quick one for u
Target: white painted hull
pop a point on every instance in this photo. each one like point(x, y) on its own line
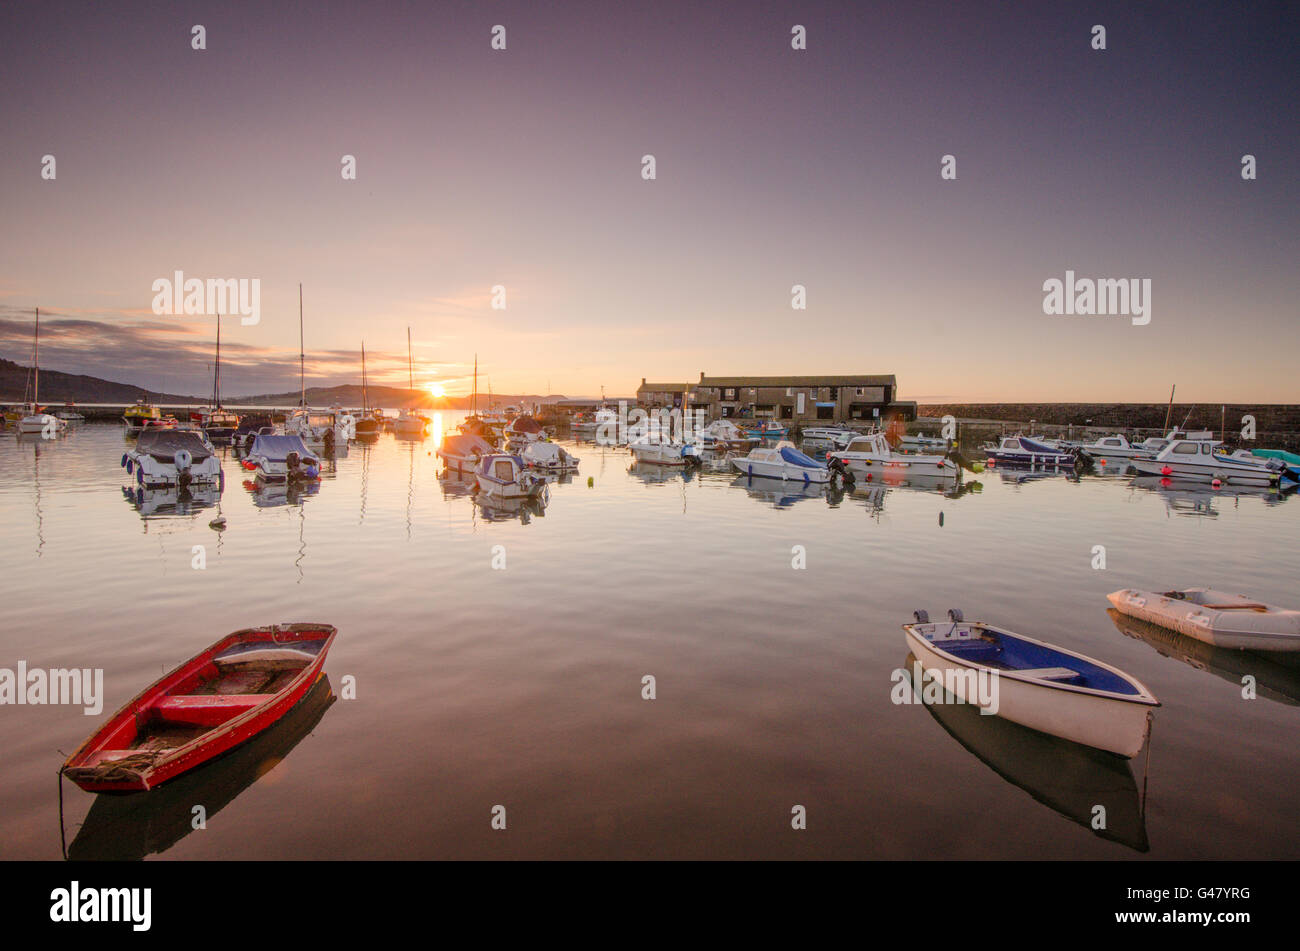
point(1117, 726)
point(41, 424)
point(1272, 629)
point(658, 454)
point(1224, 471)
point(783, 471)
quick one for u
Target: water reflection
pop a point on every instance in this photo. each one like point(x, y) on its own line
point(497, 509)
point(1068, 778)
point(779, 494)
point(1199, 499)
point(1277, 676)
point(130, 827)
point(171, 501)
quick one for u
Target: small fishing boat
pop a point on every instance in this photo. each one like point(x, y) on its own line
point(1023, 451)
point(548, 457)
point(769, 429)
point(1035, 684)
point(179, 457)
point(724, 435)
point(1215, 617)
point(1150, 447)
point(502, 476)
point(327, 430)
point(69, 413)
point(919, 443)
point(870, 455)
point(653, 450)
point(1203, 461)
point(252, 425)
point(823, 434)
point(34, 421)
point(782, 461)
point(137, 416)
point(209, 705)
point(1111, 447)
point(464, 452)
point(523, 430)
point(282, 459)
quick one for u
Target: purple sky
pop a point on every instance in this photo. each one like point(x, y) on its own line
point(775, 167)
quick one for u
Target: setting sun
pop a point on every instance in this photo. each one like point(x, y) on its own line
point(435, 389)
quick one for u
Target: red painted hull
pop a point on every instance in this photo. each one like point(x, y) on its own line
point(114, 760)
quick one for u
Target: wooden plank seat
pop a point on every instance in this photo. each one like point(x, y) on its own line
point(206, 710)
point(1049, 673)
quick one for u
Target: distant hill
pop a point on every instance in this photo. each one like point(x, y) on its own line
point(57, 387)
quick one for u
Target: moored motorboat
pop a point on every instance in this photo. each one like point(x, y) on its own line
point(1111, 447)
point(209, 705)
point(135, 417)
point(723, 434)
point(1290, 460)
point(1203, 461)
point(179, 457)
point(767, 429)
point(870, 455)
point(1035, 684)
point(915, 442)
point(1023, 451)
point(782, 461)
point(1216, 617)
point(504, 476)
point(252, 425)
point(464, 452)
point(663, 451)
point(282, 459)
point(548, 457)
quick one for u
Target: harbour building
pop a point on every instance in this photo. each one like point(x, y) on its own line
point(806, 400)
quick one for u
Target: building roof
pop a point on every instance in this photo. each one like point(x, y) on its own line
point(839, 379)
point(664, 387)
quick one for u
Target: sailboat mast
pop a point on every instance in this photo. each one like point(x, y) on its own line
point(365, 404)
point(410, 367)
point(475, 407)
point(36, 363)
point(302, 356)
point(1170, 411)
point(216, 376)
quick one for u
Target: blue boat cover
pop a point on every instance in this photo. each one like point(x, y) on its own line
point(277, 448)
point(797, 458)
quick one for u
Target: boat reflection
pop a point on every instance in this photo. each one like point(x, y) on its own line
point(651, 473)
point(172, 501)
point(1197, 499)
point(130, 827)
point(456, 483)
point(1277, 677)
point(777, 493)
point(1068, 778)
point(269, 495)
point(497, 509)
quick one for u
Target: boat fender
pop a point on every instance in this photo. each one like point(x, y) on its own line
point(130, 466)
point(922, 617)
point(139, 475)
point(123, 463)
point(955, 615)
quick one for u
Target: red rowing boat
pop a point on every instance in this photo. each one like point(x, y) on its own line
point(206, 707)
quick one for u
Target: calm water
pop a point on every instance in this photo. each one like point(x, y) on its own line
point(522, 687)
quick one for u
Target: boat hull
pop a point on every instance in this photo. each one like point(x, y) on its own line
point(1237, 625)
point(1113, 724)
point(86, 767)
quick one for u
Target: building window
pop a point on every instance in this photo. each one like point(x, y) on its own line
point(825, 412)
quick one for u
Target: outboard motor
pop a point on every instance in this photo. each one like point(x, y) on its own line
point(183, 460)
point(291, 463)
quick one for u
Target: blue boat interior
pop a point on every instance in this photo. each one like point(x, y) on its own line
point(1002, 652)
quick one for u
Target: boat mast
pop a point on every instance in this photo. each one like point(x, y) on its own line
point(365, 399)
point(410, 367)
point(216, 376)
point(302, 358)
point(474, 409)
point(36, 364)
point(1170, 411)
